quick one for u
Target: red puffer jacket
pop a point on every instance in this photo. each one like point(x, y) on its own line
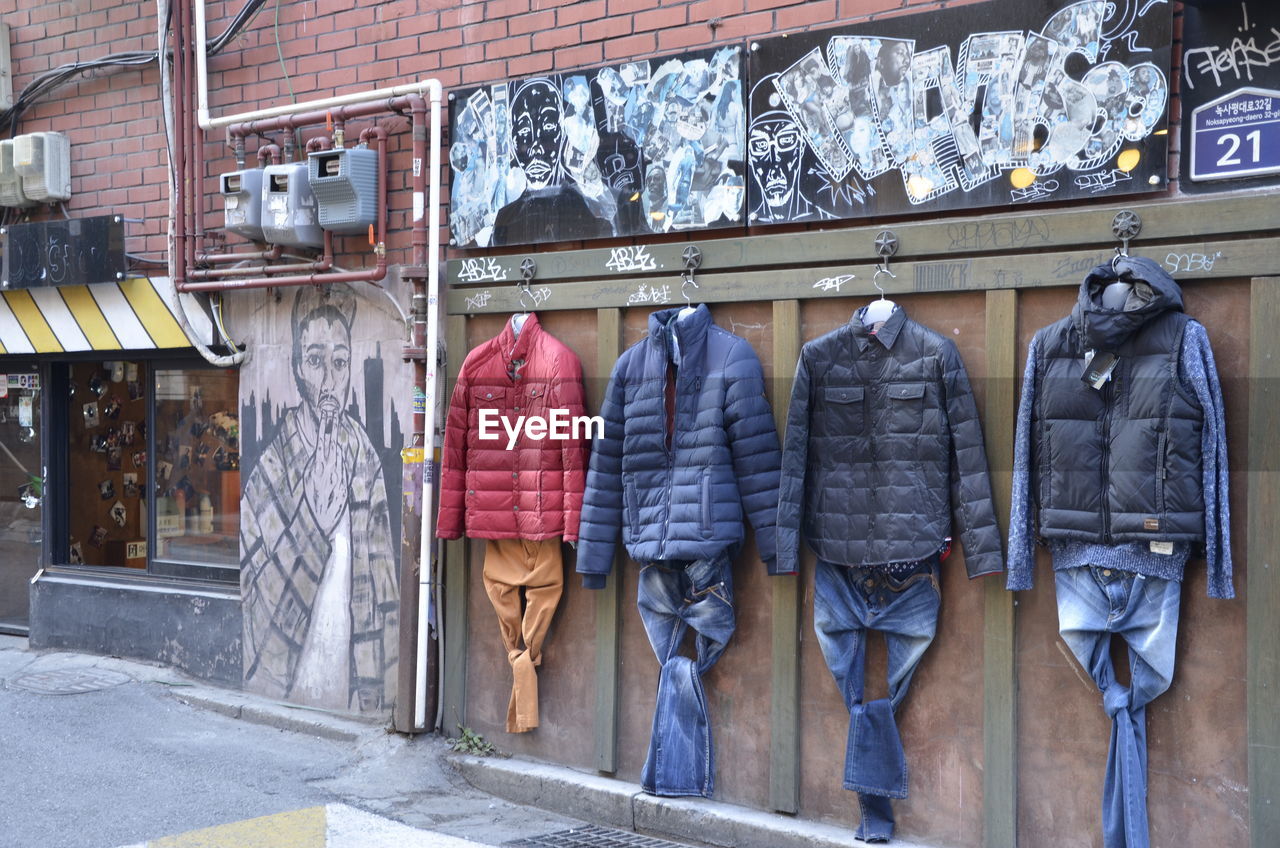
point(534, 490)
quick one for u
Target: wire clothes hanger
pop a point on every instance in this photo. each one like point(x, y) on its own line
point(880, 310)
point(692, 257)
point(528, 268)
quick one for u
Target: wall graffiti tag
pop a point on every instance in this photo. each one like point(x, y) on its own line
point(827, 284)
point(625, 259)
point(482, 270)
point(1029, 101)
point(649, 294)
point(643, 147)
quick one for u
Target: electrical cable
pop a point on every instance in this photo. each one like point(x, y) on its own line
point(222, 328)
point(53, 79)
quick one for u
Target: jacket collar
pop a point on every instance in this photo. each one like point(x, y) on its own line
point(888, 333)
point(514, 346)
point(1154, 293)
point(691, 330)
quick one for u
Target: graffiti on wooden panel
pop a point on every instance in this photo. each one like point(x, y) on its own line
point(1047, 101)
point(644, 147)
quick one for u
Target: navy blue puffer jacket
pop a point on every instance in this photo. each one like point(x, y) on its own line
point(685, 501)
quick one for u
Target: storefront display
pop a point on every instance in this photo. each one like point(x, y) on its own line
point(523, 495)
point(192, 481)
point(689, 450)
point(22, 490)
point(1121, 450)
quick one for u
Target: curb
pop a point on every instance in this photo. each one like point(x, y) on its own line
point(624, 805)
point(236, 705)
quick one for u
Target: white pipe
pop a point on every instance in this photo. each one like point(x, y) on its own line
point(435, 92)
point(426, 566)
point(430, 87)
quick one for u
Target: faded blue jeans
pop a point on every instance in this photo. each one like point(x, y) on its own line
point(675, 596)
point(903, 604)
point(1094, 603)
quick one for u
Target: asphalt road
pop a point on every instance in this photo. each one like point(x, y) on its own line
point(134, 762)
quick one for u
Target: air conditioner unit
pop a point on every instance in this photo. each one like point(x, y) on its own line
point(43, 160)
point(10, 183)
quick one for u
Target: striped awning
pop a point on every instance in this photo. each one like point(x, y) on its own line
point(133, 314)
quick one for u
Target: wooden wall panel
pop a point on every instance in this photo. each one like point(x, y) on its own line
point(1197, 729)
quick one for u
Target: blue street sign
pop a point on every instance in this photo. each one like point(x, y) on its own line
point(1237, 135)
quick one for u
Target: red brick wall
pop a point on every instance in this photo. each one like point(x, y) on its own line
point(331, 47)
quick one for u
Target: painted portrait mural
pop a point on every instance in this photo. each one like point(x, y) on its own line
point(320, 517)
point(644, 147)
point(999, 103)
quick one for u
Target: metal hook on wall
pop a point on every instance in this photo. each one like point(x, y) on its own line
point(692, 258)
point(528, 270)
point(886, 247)
point(1125, 226)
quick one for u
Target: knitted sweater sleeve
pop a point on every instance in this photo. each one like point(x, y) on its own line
point(1022, 533)
point(1199, 374)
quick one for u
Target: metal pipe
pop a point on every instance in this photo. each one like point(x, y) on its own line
point(376, 273)
point(317, 143)
point(271, 151)
point(427, 581)
point(180, 147)
point(324, 263)
point(208, 258)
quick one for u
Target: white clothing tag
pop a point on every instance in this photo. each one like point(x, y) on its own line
point(1165, 548)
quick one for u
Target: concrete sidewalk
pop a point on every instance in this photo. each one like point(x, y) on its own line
point(620, 804)
point(200, 760)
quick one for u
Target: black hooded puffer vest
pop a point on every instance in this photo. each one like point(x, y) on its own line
point(1123, 463)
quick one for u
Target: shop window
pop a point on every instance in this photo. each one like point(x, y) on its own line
point(153, 469)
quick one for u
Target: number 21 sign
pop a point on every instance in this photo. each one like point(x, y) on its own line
point(1236, 135)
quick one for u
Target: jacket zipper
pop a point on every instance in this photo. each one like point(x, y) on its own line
point(669, 436)
point(1106, 462)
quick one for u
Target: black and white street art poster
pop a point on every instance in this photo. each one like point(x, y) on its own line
point(999, 103)
point(652, 146)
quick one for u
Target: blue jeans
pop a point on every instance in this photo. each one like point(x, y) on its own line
point(673, 597)
point(847, 603)
point(1094, 603)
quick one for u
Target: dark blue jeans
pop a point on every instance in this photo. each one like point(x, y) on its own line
point(675, 596)
point(1094, 603)
point(847, 603)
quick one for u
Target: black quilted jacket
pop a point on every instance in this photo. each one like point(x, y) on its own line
point(882, 441)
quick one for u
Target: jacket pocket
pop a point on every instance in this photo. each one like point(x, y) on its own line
point(488, 407)
point(1162, 447)
point(629, 501)
point(705, 492)
point(905, 403)
point(845, 406)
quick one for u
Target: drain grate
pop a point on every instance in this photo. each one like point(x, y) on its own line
point(69, 681)
point(592, 837)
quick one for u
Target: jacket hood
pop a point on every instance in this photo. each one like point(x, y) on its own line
point(1153, 294)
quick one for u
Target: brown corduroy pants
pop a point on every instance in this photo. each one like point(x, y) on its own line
point(510, 564)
